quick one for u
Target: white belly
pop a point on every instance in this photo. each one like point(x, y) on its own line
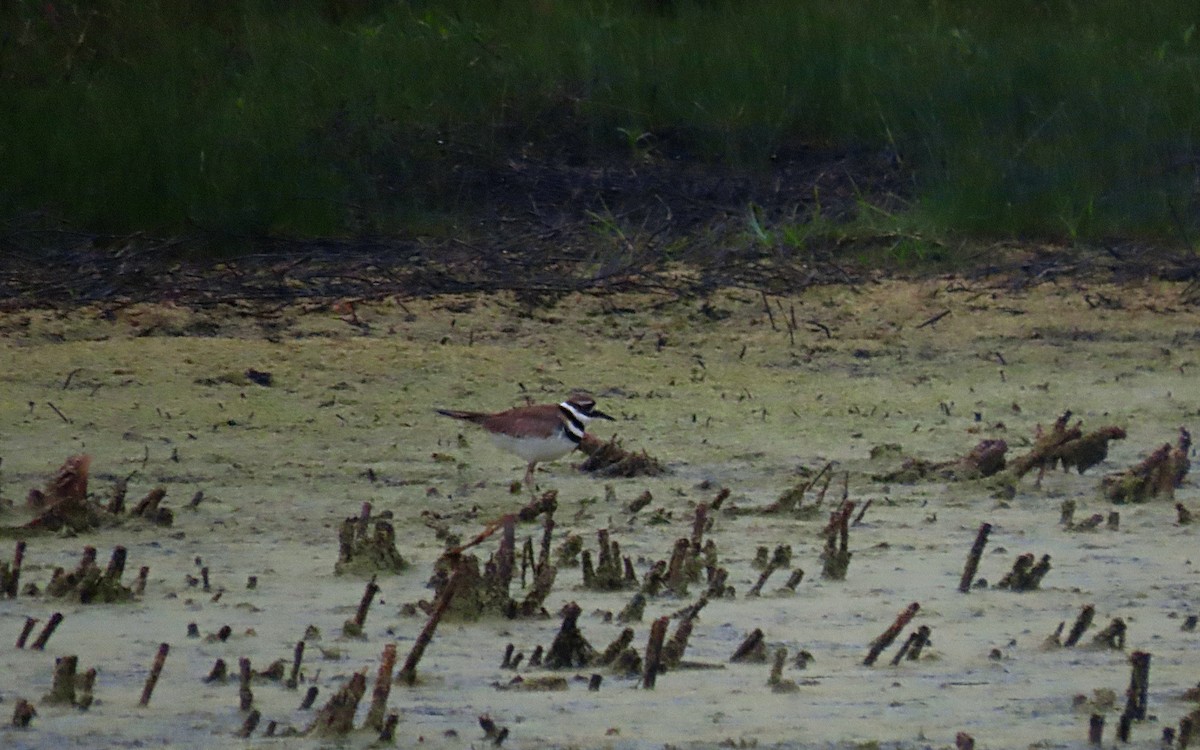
point(535, 449)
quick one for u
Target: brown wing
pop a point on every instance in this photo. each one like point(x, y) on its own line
point(525, 421)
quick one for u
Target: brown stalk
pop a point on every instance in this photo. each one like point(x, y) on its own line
point(408, 673)
point(383, 685)
point(968, 576)
point(885, 639)
point(654, 649)
point(152, 679)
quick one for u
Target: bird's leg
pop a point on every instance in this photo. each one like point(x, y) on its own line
point(529, 477)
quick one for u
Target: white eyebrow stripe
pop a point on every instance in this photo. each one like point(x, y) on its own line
point(573, 422)
point(574, 413)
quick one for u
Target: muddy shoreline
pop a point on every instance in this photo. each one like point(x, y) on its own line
point(724, 393)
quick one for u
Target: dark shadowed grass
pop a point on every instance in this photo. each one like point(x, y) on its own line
point(1061, 119)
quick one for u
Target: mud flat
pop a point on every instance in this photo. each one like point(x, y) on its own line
point(288, 420)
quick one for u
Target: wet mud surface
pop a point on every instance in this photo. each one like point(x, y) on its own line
point(725, 393)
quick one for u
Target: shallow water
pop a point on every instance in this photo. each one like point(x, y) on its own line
point(732, 398)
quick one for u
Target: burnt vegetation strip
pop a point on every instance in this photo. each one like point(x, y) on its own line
point(606, 228)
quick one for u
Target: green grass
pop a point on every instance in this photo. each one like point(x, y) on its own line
point(1052, 118)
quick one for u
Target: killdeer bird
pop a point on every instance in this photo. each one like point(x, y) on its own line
point(540, 432)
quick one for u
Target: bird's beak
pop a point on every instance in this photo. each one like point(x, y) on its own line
point(597, 414)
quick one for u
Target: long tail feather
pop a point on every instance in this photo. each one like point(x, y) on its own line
point(469, 416)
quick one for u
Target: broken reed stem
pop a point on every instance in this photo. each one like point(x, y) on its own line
point(383, 686)
point(912, 647)
point(547, 536)
point(116, 502)
point(716, 583)
point(1187, 727)
point(1025, 575)
point(825, 476)
point(794, 579)
point(630, 575)
point(862, 512)
point(336, 718)
point(23, 713)
point(249, 725)
point(1066, 514)
point(51, 625)
point(654, 649)
point(152, 679)
point(218, 672)
point(1124, 723)
point(603, 548)
point(1183, 516)
point(921, 641)
point(62, 691)
point(547, 504)
point(479, 538)
point(698, 525)
point(569, 648)
point(505, 559)
point(835, 558)
point(360, 617)
point(364, 521)
point(611, 652)
point(885, 639)
point(756, 589)
point(691, 611)
point(310, 698)
point(293, 680)
point(750, 648)
point(543, 582)
point(527, 561)
point(912, 637)
point(147, 506)
point(245, 694)
point(1082, 623)
point(1112, 636)
point(116, 564)
point(677, 567)
point(26, 630)
point(84, 686)
point(388, 733)
point(767, 309)
point(354, 628)
point(844, 525)
point(408, 673)
point(777, 662)
point(968, 576)
point(673, 650)
point(14, 578)
point(1139, 683)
